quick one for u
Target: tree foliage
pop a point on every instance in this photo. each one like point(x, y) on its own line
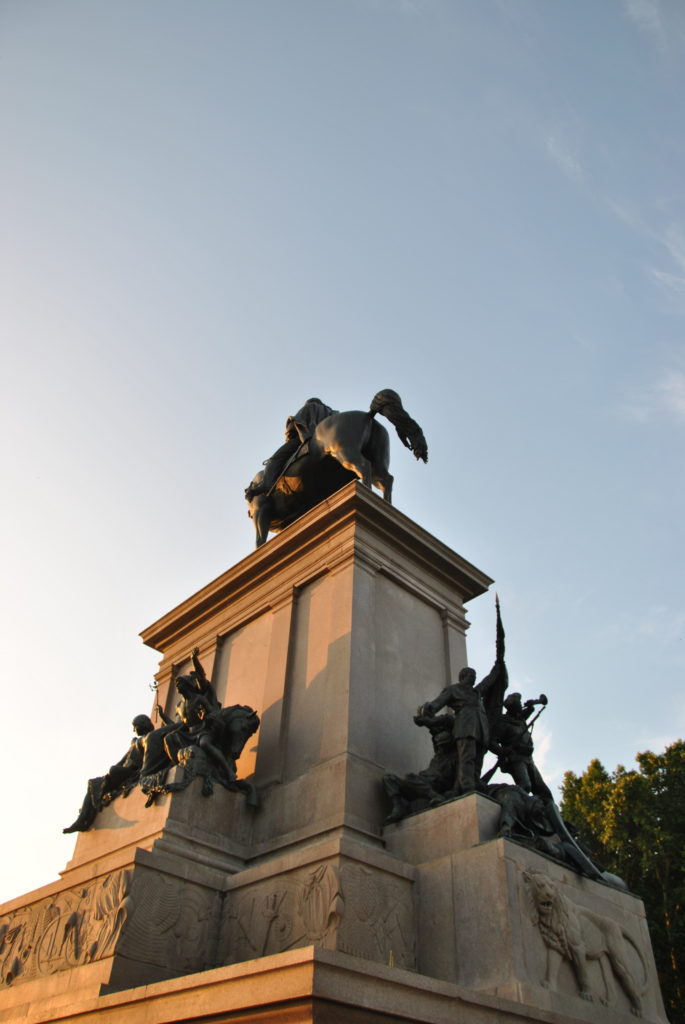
point(634, 824)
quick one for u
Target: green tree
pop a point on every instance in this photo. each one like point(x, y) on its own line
point(634, 824)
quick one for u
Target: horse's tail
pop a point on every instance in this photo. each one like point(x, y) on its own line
point(389, 404)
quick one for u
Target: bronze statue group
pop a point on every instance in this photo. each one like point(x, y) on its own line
point(468, 719)
point(204, 739)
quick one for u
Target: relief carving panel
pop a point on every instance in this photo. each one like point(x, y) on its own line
point(380, 921)
point(298, 909)
point(176, 923)
point(71, 928)
point(606, 961)
point(145, 915)
point(355, 909)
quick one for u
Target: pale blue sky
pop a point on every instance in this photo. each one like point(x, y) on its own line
point(212, 209)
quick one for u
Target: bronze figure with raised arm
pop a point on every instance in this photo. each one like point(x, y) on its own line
point(476, 706)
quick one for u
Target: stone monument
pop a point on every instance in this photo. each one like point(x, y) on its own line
point(236, 864)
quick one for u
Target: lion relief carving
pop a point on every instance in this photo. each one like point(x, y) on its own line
point(574, 933)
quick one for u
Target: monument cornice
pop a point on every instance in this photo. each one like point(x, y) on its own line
point(324, 537)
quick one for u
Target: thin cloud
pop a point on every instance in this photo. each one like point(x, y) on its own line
point(635, 407)
point(409, 8)
point(665, 397)
point(547, 763)
point(624, 213)
point(663, 24)
point(417, 7)
point(564, 151)
point(663, 623)
point(565, 155)
point(543, 751)
point(673, 239)
point(646, 14)
point(672, 288)
point(670, 238)
point(670, 282)
point(660, 626)
point(671, 390)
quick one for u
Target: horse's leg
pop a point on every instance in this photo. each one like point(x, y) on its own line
point(356, 463)
point(262, 520)
point(378, 451)
point(384, 483)
point(343, 435)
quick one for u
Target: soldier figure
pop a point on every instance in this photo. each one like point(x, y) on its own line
point(471, 731)
point(513, 743)
point(122, 776)
point(435, 780)
point(298, 429)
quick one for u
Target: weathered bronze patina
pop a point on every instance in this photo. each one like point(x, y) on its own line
point(120, 779)
point(323, 451)
point(205, 740)
point(512, 742)
point(476, 707)
point(480, 718)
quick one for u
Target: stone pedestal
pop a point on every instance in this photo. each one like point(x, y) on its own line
point(496, 917)
point(335, 631)
point(305, 909)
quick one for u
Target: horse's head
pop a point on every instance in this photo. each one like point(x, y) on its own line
point(235, 725)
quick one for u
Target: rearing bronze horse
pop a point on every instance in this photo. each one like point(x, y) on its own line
point(343, 446)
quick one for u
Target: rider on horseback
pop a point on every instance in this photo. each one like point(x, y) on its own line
point(325, 450)
point(298, 429)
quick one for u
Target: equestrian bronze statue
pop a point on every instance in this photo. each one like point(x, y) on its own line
point(323, 451)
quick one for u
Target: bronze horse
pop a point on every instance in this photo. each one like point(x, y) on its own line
point(343, 446)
